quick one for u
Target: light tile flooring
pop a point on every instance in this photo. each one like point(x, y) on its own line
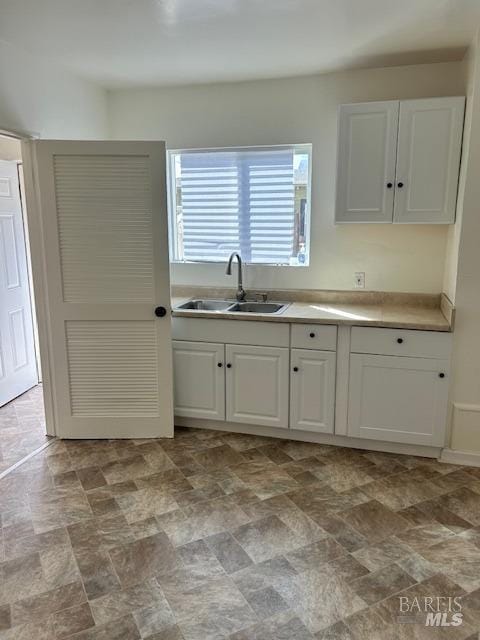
point(214, 535)
point(22, 427)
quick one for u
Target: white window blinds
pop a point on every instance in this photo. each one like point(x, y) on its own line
point(241, 200)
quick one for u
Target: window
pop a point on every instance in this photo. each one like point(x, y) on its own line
point(254, 200)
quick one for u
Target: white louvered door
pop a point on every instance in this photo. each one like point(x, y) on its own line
point(103, 211)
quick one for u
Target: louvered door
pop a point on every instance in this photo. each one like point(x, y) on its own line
point(103, 211)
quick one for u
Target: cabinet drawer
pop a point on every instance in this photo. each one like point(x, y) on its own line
point(400, 342)
point(314, 336)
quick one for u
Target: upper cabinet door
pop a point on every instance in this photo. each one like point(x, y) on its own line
point(367, 139)
point(428, 159)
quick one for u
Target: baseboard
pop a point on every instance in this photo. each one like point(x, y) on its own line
point(465, 458)
point(306, 436)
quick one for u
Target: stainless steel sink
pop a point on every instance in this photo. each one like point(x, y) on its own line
point(230, 306)
point(257, 307)
point(206, 305)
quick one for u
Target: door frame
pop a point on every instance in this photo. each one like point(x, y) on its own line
point(39, 274)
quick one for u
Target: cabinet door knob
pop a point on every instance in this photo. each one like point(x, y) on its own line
point(400, 185)
point(219, 364)
point(389, 185)
point(229, 366)
point(441, 375)
point(312, 335)
point(400, 340)
point(295, 369)
point(160, 312)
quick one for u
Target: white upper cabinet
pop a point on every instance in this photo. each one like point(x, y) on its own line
point(367, 142)
point(399, 161)
point(428, 160)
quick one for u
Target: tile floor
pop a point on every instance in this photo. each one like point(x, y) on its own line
point(214, 535)
point(22, 427)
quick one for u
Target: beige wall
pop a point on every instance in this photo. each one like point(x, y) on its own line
point(394, 258)
point(39, 97)
point(10, 149)
point(453, 236)
point(465, 389)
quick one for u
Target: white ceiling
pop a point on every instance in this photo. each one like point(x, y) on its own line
point(121, 43)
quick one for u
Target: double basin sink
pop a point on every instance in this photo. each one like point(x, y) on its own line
point(230, 306)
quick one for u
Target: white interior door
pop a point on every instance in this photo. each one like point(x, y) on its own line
point(367, 141)
point(104, 219)
point(18, 369)
point(428, 160)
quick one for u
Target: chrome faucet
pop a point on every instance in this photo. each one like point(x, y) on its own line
point(241, 295)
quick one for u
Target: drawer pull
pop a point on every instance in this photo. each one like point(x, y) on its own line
point(441, 375)
point(312, 335)
point(400, 340)
point(295, 369)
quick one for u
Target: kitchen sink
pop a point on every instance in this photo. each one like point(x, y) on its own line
point(230, 306)
point(206, 305)
point(257, 307)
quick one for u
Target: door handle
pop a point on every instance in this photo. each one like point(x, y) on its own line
point(160, 312)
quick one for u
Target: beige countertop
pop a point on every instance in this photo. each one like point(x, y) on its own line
point(383, 310)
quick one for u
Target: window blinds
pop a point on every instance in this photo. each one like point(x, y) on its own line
point(239, 200)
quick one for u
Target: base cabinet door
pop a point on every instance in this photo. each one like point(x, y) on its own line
point(398, 399)
point(257, 385)
point(199, 379)
point(312, 390)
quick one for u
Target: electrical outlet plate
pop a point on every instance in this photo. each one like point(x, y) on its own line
point(359, 279)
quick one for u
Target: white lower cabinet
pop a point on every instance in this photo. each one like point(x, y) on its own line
point(257, 385)
point(398, 399)
point(199, 380)
point(312, 390)
point(388, 385)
